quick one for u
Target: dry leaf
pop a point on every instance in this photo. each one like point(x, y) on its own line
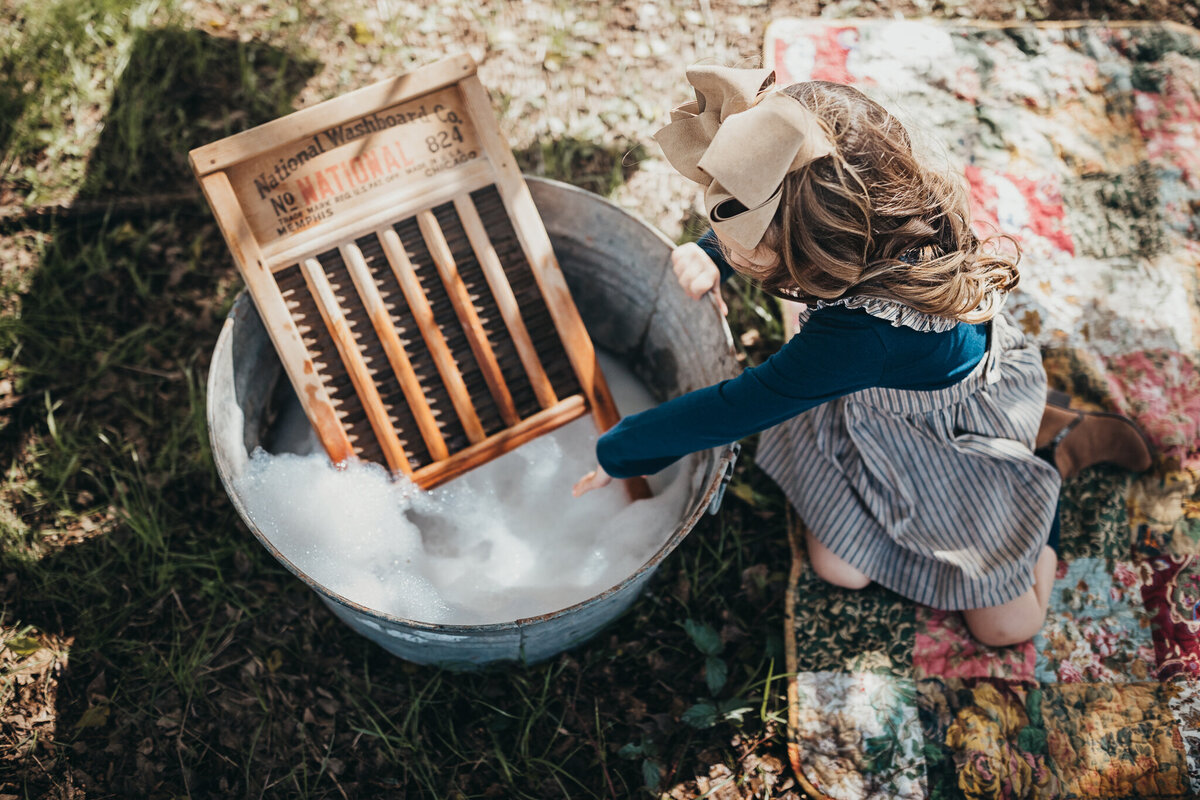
point(94, 717)
point(361, 34)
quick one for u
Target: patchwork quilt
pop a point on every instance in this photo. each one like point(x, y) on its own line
point(1083, 142)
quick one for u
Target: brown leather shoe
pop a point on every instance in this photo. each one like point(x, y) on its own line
point(1084, 438)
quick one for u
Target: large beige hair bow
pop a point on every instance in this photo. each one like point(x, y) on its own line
point(740, 141)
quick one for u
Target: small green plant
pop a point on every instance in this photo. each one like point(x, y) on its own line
point(707, 713)
point(647, 750)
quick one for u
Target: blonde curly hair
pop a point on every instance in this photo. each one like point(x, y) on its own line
point(871, 220)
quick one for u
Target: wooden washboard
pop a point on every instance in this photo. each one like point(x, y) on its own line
point(405, 277)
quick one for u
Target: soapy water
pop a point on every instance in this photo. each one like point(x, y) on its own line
point(505, 541)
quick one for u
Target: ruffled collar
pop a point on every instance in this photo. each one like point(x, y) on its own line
point(894, 312)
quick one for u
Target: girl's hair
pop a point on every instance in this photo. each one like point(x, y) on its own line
point(871, 220)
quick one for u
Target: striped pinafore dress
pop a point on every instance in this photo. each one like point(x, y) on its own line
point(936, 495)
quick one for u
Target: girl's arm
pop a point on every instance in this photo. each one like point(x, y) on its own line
point(838, 351)
point(700, 267)
point(833, 356)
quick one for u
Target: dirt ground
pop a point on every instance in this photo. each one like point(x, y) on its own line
point(100, 704)
point(607, 73)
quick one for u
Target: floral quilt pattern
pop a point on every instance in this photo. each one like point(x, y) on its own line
point(1082, 141)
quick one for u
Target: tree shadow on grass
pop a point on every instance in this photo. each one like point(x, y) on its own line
point(183, 89)
point(118, 543)
point(191, 662)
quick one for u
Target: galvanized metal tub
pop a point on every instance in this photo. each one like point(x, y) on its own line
point(618, 269)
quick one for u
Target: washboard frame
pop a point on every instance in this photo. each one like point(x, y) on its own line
point(400, 169)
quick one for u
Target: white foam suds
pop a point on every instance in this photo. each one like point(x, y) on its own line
point(504, 541)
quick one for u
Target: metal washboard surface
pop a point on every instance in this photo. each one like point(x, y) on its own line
point(405, 277)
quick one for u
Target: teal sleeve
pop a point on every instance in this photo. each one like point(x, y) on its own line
point(833, 355)
point(838, 351)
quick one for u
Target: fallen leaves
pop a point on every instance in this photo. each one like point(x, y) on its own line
point(31, 664)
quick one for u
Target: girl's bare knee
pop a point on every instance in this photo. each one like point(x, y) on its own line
point(998, 636)
point(1003, 626)
point(833, 568)
point(843, 576)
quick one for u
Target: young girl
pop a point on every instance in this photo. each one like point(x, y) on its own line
point(902, 419)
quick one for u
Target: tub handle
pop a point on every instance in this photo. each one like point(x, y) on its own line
point(735, 450)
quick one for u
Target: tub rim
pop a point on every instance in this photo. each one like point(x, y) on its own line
point(724, 457)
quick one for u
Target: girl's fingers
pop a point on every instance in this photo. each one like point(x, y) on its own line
point(689, 257)
point(699, 285)
point(584, 485)
point(593, 480)
point(696, 273)
point(678, 263)
point(685, 253)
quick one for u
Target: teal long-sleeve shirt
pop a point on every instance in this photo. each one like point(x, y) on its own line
point(838, 351)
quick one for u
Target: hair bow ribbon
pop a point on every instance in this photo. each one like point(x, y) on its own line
point(740, 141)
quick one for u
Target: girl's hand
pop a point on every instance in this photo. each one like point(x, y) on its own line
point(697, 273)
point(593, 480)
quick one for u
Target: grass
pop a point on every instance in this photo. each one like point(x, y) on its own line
point(149, 647)
point(192, 664)
point(48, 87)
point(597, 167)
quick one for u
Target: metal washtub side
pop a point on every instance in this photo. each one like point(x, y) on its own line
point(618, 269)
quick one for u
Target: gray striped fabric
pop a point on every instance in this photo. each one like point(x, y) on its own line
point(936, 495)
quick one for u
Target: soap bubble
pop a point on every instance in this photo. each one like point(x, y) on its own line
point(504, 541)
